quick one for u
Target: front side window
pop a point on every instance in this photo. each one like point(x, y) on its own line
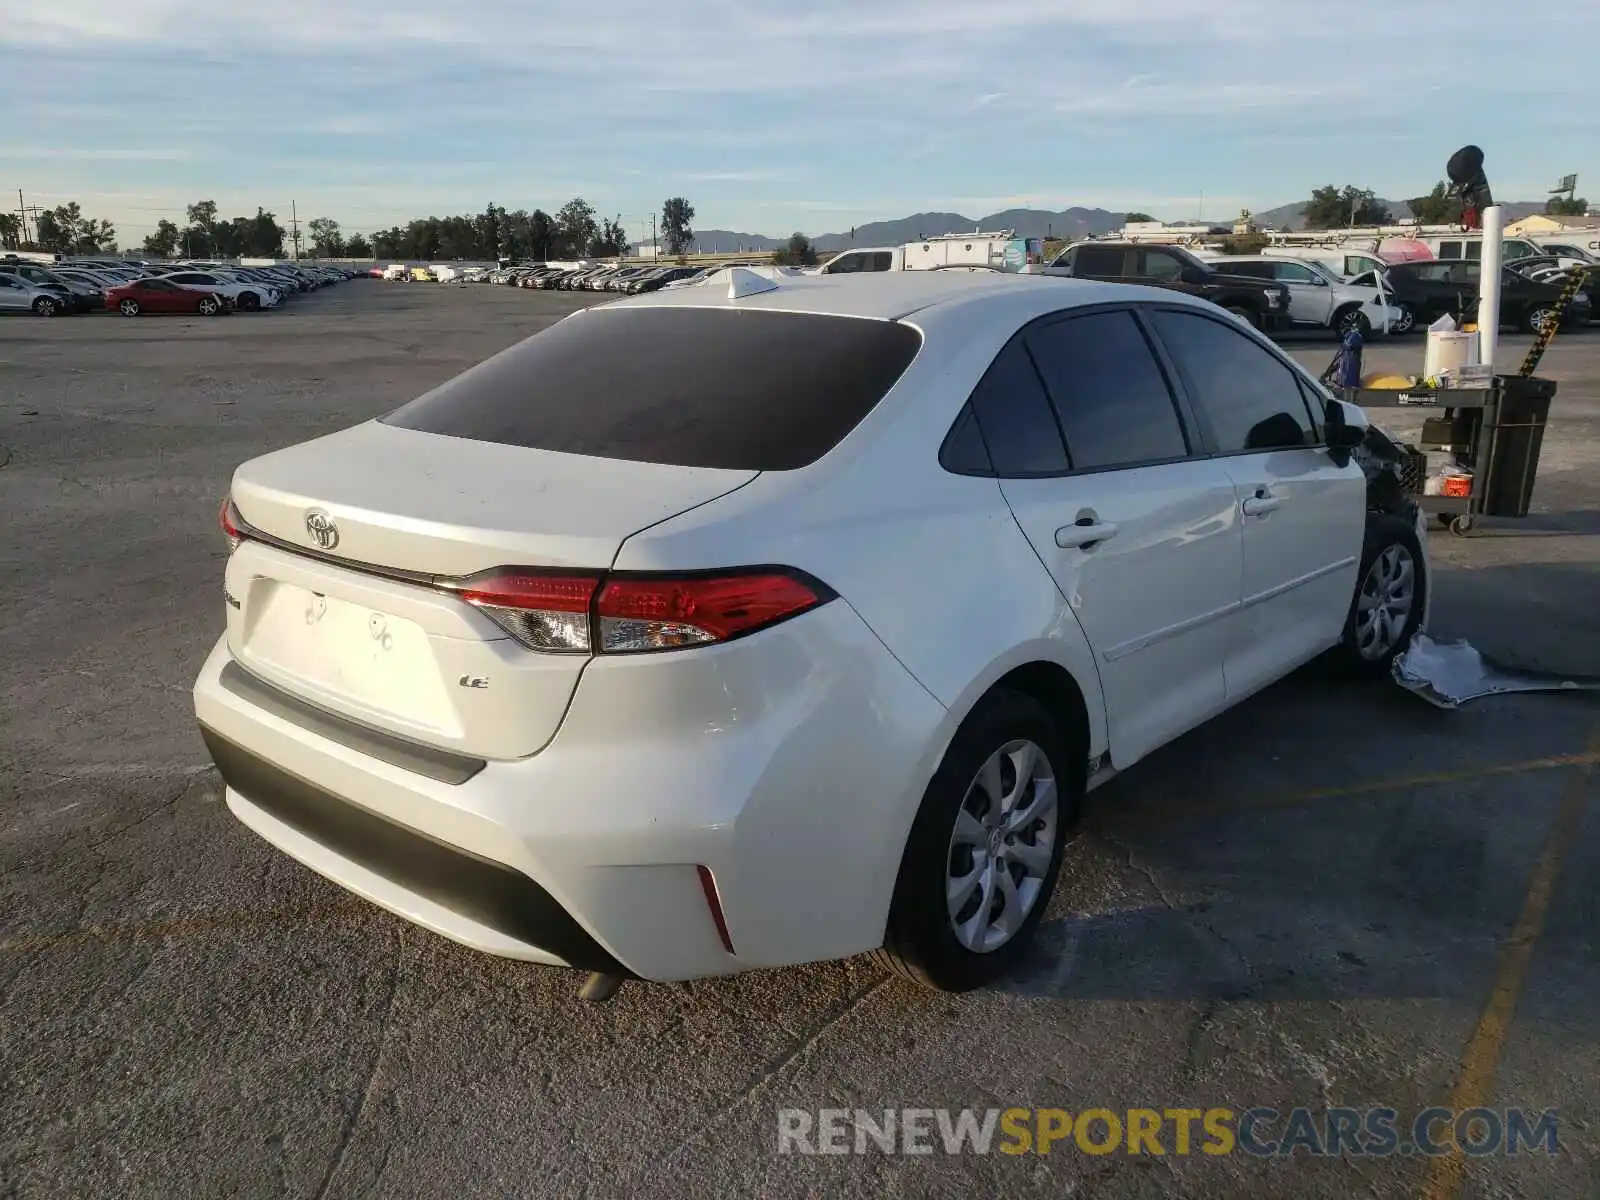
point(1109, 392)
point(1253, 400)
point(1098, 260)
point(1161, 266)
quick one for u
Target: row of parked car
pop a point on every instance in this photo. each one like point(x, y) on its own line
point(1311, 292)
point(609, 277)
point(51, 289)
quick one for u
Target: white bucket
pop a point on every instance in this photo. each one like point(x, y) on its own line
point(1449, 351)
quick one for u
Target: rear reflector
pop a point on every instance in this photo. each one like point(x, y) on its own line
point(708, 885)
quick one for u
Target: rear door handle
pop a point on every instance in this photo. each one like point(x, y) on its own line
point(1260, 505)
point(1081, 537)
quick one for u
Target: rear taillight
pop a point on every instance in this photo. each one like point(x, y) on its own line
point(231, 523)
point(542, 611)
point(655, 613)
point(562, 613)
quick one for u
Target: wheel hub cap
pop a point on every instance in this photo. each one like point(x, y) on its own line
point(1003, 846)
point(1387, 597)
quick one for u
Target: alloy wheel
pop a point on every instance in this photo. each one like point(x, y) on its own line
point(1383, 609)
point(1002, 847)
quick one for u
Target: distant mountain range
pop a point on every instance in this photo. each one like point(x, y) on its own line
point(1028, 222)
point(1068, 224)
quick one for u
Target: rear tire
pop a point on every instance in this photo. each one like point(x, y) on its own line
point(1391, 593)
point(995, 816)
point(128, 308)
point(1538, 316)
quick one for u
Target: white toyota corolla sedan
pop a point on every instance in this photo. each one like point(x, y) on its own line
point(770, 621)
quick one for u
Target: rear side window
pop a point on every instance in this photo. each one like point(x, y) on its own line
point(1109, 392)
point(688, 387)
point(1253, 400)
point(1013, 413)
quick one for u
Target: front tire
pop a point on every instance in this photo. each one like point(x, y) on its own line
point(1245, 315)
point(208, 306)
point(1405, 319)
point(128, 308)
point(1391, 593)
point(1353, 320)
point(984, 851)
point(249, 302)
point(46, 307)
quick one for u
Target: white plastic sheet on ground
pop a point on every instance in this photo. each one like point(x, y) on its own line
point(1449, 674)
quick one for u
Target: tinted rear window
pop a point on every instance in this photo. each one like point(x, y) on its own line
point(689, 387)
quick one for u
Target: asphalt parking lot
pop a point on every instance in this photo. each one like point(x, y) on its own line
point(1336, 895)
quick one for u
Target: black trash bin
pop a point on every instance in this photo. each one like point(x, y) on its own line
point(1518, 438)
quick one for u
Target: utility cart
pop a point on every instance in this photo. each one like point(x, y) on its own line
point(1494, 432)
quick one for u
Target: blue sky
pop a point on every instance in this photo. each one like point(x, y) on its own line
point(812, 114)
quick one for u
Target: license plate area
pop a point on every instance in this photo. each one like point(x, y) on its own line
point(354, 656)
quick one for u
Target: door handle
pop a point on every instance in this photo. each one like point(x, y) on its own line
point(1261, 504)
point(1081, 537)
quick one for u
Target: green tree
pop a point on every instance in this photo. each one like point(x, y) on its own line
point(49, 235)
point(677, 225)
point(358, 247)
point(163, 243)
point(200, 237)
point(612, 240)
point(1130, 218)
point(263, 236)
point(1331, 207)
point(1560, 206)
point(576, 228)
point(10, 232)
point(798, 253)
point(1245, 243)
point(1438, 207)
point(326, 239)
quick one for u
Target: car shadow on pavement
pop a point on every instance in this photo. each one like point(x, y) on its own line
point(1337, 838)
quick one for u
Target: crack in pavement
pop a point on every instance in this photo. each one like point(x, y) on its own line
point(353, 1121)
point(801, 1049)
point(1144, 869)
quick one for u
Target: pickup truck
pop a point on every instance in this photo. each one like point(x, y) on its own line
point(1264, 304)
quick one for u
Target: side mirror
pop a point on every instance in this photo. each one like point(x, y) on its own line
point(1344, 427)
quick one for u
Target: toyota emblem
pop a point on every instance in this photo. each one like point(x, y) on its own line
point(322, 529)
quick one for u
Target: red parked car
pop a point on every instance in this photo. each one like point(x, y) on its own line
point(159, 296)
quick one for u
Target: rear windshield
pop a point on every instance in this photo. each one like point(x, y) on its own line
point(689, 387)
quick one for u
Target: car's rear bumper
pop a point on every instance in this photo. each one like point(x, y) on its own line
point(789, 764)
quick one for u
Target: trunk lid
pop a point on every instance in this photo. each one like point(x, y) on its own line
point(350, 620)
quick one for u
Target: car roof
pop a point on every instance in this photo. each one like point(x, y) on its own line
point(891, 295)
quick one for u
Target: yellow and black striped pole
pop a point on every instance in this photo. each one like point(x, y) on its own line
point(1541, 343)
